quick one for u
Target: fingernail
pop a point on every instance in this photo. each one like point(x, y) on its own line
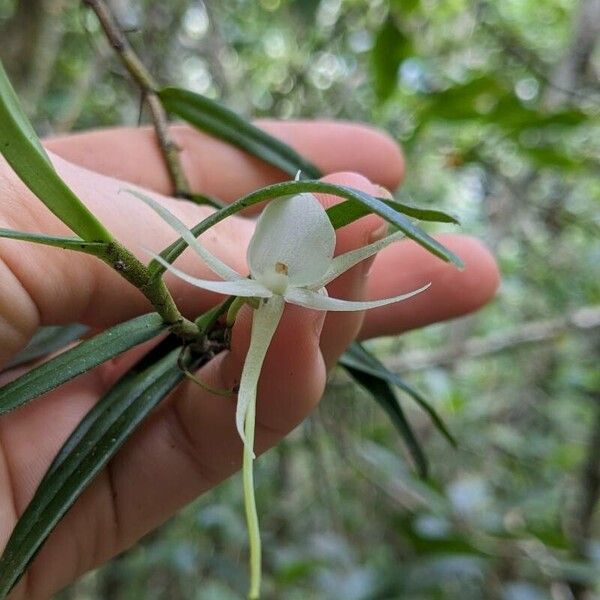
point(378, 233)
point(366, 266)
point(382, 192)
point(318, 323)
point(382, 230)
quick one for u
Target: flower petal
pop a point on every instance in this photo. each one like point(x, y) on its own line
point(240, 287)
point(343, 262)
point(215, 264)
point(293, 236)
point(264, 323)
point(317, 301)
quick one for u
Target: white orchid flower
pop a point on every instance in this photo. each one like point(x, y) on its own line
point(290, 257)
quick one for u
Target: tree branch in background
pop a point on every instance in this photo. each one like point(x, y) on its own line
point(512, 46)
point(18, 50)
point(574, 65)
point(583, 319)
point(74, 103)
point(48, 40)
point(581, 519)
point(148, 86)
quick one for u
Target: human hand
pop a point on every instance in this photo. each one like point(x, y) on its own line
point(190, 443)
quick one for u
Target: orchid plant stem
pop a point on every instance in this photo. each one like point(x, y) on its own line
point(154, 289)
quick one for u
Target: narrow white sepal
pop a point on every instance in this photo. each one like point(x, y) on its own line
point(264, 323)
point(215, 264)
point(340, 264)
point(317, 301)
point(240, 287)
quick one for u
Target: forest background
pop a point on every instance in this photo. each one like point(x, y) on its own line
point(496, 106)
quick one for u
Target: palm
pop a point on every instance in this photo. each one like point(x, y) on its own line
point(190, 443)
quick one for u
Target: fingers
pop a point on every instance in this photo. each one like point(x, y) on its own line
point(406, 266)
point(190, 443)
point(54, 286)
point(133, 155)
point(402, 267)
point(187, 446)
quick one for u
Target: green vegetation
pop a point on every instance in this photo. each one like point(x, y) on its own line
point(497, 108)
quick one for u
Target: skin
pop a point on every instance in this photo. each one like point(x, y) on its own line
point(189, 444)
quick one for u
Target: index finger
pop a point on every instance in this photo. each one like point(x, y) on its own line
point(216, 168)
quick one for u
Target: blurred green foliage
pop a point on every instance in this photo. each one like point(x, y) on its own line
point(497, 107)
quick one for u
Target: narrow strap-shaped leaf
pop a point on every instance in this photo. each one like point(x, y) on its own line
point(210, 116)
point(68, 243)
point(411, 231)
point(78, 360)
point(359, 358)
point(384, 395)
point(85, 454)
point(22, 149)
point(106, 404)
point(46, 340)
point(287, 188)
point(11, 105)
point(346, 212)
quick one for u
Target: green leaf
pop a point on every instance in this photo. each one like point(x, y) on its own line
point(490, 100)
point(46, 340)
point(68, 243)
point(210, 116)
point(549, 156)
point(78, 360)
point(382, 392)
point(359, 358)
point(350, 210)
point(405, 7)
point(460, 102)
point(10, 105)
point(287, 188)
point(102, 415)
point(403, 224)
point(391, 47)
point(87, 451)
point(510, 113)
point(206, 321)
point(22, 149)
